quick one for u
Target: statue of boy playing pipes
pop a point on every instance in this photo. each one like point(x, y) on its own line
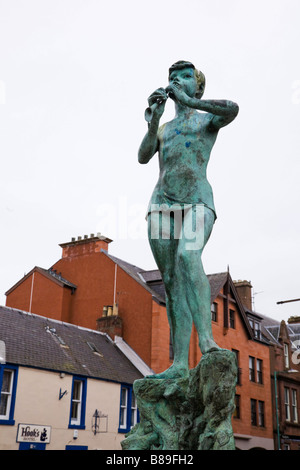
point(182, 204)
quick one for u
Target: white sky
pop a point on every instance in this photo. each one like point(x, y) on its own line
point(74, 80)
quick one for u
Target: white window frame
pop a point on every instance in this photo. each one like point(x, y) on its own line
point(134, 410)
point(252, 372)
point(287, 404)
point(261, 413)
point(259, 371)
point(124, 408)
point(214, 311)
point(294, 406)
point(76, 421)
point(256, 330)
point(8, 393)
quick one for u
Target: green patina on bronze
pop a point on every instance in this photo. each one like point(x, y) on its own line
point(184, 146)
point(192, 413)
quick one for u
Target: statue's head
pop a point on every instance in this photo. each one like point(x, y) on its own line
point(200, 78)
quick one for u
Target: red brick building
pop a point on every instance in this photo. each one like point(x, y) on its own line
point(91, 288)
point(285, 375)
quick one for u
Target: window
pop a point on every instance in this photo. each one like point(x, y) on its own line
point(123, 408)
point(294, 406)
point(253, 412)
point(251, 369)
point(237, 410)
point(257, 412)
point(255, 328)
point(214, 311)
point(232, 318)
point(261, 414)
point(8, 387)
point(287, 403)
point(255, 370)
point(259, 371)
point(134, 411)
point(129, 414)
point(286, 356)
point(78, 403)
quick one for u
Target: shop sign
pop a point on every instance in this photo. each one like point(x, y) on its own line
point(33, 433)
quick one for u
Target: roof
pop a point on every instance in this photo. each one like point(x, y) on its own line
point(272, 330)
point(152, 279)
point(137, 273)
point(35, 341)
point(50, 274)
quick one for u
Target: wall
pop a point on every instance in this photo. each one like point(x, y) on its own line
point(38, 294)
point(37, 402)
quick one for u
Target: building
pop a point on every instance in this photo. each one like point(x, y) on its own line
point(85, 285)
point(90, 287)
point(285, 372)
point(63, 387)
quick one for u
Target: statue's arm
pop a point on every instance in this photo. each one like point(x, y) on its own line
point(150, 143)
point(223, 111)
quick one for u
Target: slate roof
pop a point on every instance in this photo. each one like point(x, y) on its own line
point(152, 279)
point(271, 330)
point(137, 274)
point(36, 341)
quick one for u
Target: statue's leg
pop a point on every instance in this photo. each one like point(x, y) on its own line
point(196, 284)
point(164, 248)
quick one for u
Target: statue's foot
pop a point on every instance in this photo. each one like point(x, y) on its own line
point(174, 372)
point(209, 346)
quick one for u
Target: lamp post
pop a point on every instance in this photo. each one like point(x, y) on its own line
point(276, 402)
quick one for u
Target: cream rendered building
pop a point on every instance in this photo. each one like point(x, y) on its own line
point(63, 387)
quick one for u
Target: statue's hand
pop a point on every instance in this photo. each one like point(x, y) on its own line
point(158, 95)
point(176, 93)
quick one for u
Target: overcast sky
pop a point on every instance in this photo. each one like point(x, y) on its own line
point(74, 80)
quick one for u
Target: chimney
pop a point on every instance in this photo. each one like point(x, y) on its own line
point(111, 324)
point(85, 245)
point(244, 291)
point(293, 319)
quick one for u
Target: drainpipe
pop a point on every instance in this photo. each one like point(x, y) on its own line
point(276, 409)
point(31, 292)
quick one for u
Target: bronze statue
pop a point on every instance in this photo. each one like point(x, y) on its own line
point(182, 205)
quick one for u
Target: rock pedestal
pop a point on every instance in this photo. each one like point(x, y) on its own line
point(193, 413)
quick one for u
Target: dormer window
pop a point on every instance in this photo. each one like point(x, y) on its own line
point(255, 325)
